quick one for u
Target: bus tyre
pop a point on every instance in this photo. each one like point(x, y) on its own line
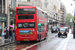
point(45, 36)
point(40, 38)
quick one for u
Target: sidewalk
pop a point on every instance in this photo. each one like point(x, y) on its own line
point(4, 42)
point(71, 43)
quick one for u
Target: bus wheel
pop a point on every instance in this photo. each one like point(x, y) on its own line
point(45, 36)
point(40, 38)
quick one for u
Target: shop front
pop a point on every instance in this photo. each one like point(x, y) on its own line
point(2, 22)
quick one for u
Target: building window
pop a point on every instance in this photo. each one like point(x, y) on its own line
point(40, 28)
point(28, 0)
point(13, 4)
point(3, 6)
point(0, 6)
point(19, 0)
point(58, 17)
point(45, 0)
point(54, 15)
point(46, 5)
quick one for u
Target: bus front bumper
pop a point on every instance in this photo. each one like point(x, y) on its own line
point(31, 38)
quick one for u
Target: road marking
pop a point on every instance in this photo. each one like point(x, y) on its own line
point(32, 45)
point(65, 45)
point(37, 43)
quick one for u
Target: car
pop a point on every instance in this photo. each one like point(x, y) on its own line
point(67, 29)
point(54, 29)
point(62, 32)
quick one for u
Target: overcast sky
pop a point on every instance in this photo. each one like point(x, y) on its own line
point(69, 8)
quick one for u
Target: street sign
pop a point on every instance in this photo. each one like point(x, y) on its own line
point(70, 19)
point(2, 19)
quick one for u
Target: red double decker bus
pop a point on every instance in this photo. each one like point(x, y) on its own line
point(31, 23)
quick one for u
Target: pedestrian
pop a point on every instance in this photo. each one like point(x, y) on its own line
point(51, 27)
point(10, 33)
point(7, 28)
point(6, 34)
point(14, 34)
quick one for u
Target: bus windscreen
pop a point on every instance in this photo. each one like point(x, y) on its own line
point(26, 11)
point(26, 17)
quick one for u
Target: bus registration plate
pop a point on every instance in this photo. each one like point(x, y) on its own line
point(26, 40)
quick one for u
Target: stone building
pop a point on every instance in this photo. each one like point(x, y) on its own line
point(63, 15)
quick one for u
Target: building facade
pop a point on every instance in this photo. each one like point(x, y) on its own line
point(63, 15)
point(10, 11)
point(53, 9)
point(51, 6)
point(3, 15)
point(37, 3)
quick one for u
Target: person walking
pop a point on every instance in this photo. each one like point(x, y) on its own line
point(7, 28)
point(15, 33)
point(6, 34)
point(10, 33)
point(51, 27)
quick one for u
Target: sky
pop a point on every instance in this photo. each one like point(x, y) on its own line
point(69, 8)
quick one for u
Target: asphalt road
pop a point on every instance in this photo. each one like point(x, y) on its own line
point(51, 43)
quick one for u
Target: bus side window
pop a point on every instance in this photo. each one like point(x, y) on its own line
point(40, 28)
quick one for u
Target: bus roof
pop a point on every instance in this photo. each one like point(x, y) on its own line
point(31, 7)
point(41, 9)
